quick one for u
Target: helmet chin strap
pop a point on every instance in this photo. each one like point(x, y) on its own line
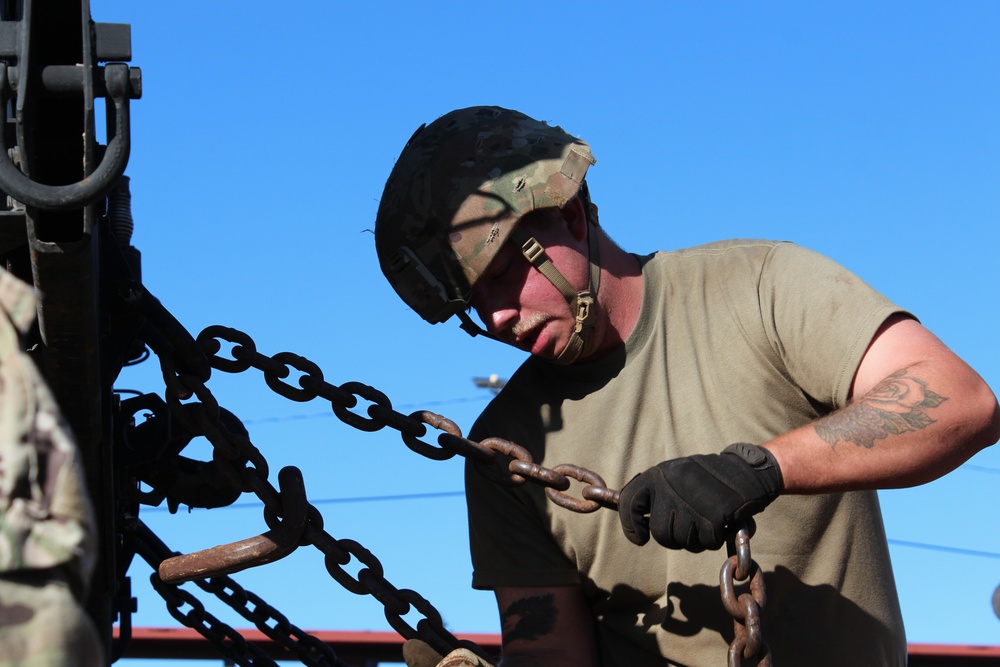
point(582, 340)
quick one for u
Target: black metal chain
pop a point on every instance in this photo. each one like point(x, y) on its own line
point(275, 625)
point(225, 638)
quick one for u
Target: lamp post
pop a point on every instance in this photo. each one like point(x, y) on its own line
point(494, 383)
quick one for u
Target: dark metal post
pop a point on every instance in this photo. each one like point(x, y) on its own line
point(56, 176)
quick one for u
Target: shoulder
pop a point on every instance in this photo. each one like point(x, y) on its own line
point(730, 248)
point(749, 260)
point(688, 275)
point(727, 256)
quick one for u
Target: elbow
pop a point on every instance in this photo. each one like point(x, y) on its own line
point(986, 417)
point(993, 431)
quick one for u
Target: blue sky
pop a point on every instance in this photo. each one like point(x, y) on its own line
point(866, 131)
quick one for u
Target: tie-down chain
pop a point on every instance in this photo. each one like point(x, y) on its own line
point(292, 522)
point(189, 611)
point(745, 608)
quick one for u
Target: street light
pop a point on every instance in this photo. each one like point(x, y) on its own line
point(494, 383)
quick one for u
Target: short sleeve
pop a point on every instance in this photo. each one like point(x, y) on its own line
point(819, 319)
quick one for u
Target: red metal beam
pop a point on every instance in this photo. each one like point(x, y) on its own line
point(365, 648)
point(353, 647)
point(947, 655)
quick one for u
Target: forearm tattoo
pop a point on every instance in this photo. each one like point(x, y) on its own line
point(529, 618)
point(894, 406)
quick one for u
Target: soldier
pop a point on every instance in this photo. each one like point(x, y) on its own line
point(736, 380)
point(47, 542)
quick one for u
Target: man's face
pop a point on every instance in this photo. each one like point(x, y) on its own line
point(521, 306)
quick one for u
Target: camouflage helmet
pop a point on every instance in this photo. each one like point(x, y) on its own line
point(456, 192)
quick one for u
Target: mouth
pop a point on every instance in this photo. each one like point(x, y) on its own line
point(526, 332)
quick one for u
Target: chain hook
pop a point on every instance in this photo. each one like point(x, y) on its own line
point(268, 547)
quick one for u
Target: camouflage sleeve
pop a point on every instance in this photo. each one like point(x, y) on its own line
point(47, 543)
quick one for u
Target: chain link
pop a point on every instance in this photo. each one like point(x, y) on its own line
point(229, 642)
point(745, 607)
point(310, 650)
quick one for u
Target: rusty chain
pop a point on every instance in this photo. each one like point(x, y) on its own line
point(739, 567)
point(745, 608)
point(294, 522)
point(512, 464)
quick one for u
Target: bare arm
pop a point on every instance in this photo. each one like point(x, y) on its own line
point(546, 627)
point(917, 412)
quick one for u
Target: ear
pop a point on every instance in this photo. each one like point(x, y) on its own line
point(576, 218)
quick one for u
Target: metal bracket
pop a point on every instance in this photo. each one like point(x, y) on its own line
point(90, 188)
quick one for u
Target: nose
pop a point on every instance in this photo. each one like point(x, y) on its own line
point(497, 313)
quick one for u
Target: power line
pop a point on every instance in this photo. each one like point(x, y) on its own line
point(334, 501)
point(492, 382)
point(938, 547)
point(326, 414)
point(977, 468)
point(455, 494)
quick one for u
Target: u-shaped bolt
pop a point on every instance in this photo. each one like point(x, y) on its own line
point(91, 188)
point(273, 545)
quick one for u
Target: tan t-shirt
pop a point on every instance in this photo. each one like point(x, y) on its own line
point(737, 341)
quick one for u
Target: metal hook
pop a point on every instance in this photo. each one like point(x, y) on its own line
point(268, 547)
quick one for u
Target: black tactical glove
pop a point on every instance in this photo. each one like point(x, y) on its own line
point(687, 503)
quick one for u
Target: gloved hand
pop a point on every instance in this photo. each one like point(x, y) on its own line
point(687, 503)
point(417, 653)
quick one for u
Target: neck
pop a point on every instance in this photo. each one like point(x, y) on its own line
point(620, 296)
